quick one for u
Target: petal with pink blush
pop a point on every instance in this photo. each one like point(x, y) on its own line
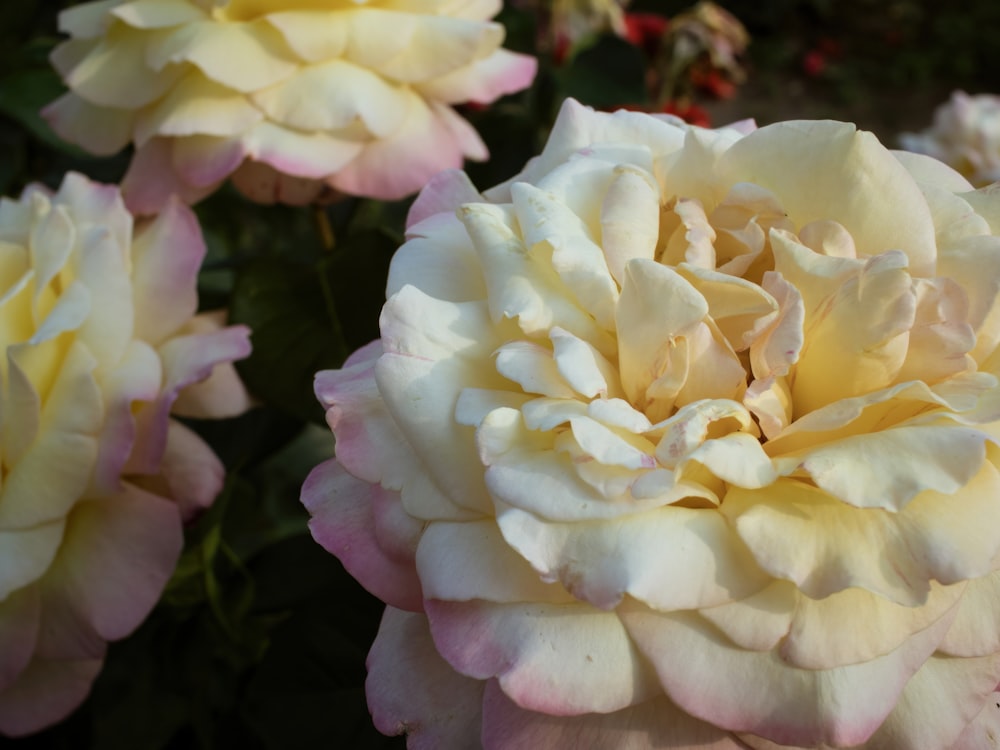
point(46, 692)
point(484, 80)
point(412, 690)
point(166, 256)
point(313, 155)
point(204, 161)
point(652, 725)
point(151, 179)
point(100, 130)
point(344, 522)
point(716, 681)
point(560, 659)
point(940, 706)
point(191, 471)
point(117, 556)
point(431, 138)
point(19, 622)
point(136, 379)
point(444, 192)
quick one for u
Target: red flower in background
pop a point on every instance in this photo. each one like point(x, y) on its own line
point(689, 112)
point(646, 30)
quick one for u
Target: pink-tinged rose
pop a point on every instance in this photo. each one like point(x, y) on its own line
point(101, 343)
point(965, 136)
point(681, 438)
point(295, 101)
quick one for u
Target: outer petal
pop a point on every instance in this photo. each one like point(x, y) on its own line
point(559, 659)
point(45, 693)
point(412, 690)
point(344, 522)
point(719, 683)
point(654, 724)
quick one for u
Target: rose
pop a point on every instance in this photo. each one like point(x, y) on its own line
point(100, 345)
point(681, 438)
point(290, 99)
point(965, 135)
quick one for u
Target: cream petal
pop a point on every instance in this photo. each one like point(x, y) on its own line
point(465, 561)
point(333, 95)
point(976, 629)
point(656, 308)
point(483, 81)
point(864, 187)
point(630, 223)
point(563, 659)
point(433, 350)
point(941, 339)
point(886, 469)
point(670, 558)
point(237, 57)
point(100, 130)
point(156, 14)
point(983, 730)
point(858, 342)
point(533, 368)
point(583, 367)
point(421, 46)
point(578, 127)
point(112, 74)
point(518, 286)
point(720, 683)
point(27, 554)
point(799, 533)
point(930, 171)
point(314, 36)
point(438, 259)
point(576, 257)
point(197, 105)
point(607, 447)
point(740, 309)
point(974, 264)
point(524, 471)
point(854, 626)
point(88, 20)
point(939, 707)
point(507, 726)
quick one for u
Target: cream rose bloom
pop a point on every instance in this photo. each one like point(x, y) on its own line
point(100, 345)
point(681, 438)
point(290, 99)
point(965, 135)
